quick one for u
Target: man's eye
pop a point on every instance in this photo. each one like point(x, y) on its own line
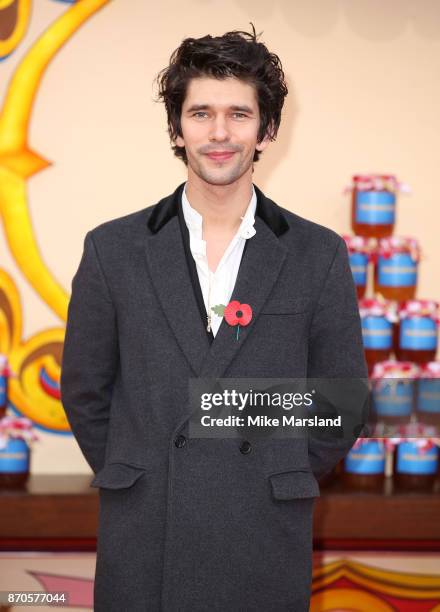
point(202, 114)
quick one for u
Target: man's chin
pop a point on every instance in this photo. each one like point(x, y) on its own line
point(220, 176)
point(219, 180)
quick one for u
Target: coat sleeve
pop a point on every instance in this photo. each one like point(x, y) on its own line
point(336, 352)
point(90, 357)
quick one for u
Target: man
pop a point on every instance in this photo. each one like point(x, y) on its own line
point(186, 523)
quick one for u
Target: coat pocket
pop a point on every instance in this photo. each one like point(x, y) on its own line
point(277, 305)
point(117, 476)
point(294, 484)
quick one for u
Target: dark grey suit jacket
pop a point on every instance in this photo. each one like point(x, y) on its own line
point(194, 524)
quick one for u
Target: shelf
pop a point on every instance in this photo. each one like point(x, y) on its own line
point(61, 512)
point(389, 514)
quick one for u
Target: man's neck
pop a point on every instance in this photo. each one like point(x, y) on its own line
point(221, 206)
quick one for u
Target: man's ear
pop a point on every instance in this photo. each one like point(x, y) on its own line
point(260, 146)
point(179, 141)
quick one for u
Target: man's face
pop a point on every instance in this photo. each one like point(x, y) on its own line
point(220, 121)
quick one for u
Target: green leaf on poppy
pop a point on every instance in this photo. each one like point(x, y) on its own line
point(219, 309)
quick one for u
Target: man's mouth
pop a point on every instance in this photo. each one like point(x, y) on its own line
point(220, 156)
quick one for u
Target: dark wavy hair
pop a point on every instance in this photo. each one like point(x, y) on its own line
point(235, 54)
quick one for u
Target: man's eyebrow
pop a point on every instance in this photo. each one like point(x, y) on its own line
point(240, 108)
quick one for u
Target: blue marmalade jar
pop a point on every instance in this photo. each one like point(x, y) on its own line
point(416, 464)
point(393, 391)
point(364, 465)
point(428, 395)
point(377, 319)
point(396, 268)
point(359, 256)
point(417, 332)
point(373, 210)
point(14, 462)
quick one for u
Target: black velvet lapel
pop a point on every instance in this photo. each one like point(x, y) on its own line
point(267, 210)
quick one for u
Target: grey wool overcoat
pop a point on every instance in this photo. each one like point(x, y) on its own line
point(189, 524)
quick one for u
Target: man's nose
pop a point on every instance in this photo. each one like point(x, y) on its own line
point(219, 130)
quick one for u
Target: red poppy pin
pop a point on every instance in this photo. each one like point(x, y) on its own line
point(235, 313)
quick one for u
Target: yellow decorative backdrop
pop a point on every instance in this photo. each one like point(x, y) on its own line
point(34, 390)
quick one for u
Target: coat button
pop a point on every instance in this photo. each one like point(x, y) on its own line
point(180, 441)
point(245, 447)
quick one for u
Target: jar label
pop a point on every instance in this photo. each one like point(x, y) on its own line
point(14, 458)
point(369, 458)
point(377, 333)
point(412, 460)
point(358, 265)
point(375, 207)
point(418, 334)
point(398, 270)
point(428, 397)
point(394, 398)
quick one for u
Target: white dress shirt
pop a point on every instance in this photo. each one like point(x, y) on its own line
point(217, 286)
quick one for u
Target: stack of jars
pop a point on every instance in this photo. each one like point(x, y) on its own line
point(373, 216)
point(400, 334)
